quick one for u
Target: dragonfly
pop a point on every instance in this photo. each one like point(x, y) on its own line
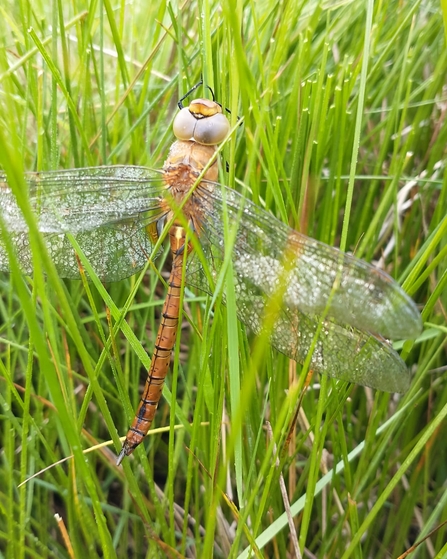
point(317, 302)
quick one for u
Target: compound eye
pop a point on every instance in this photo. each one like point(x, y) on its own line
point(202, 122)
point(212, 130)
point(184, 124)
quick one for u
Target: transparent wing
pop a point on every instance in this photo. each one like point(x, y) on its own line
point(309, 280)
point(105, 208)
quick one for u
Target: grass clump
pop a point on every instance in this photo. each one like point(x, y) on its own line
point(343, 138)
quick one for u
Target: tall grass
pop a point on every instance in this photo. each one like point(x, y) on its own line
point(343, 137)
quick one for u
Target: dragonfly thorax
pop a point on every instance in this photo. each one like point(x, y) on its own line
point(186, 161)
point(184, 165)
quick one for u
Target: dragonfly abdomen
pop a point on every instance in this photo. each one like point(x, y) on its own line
point(161, 356)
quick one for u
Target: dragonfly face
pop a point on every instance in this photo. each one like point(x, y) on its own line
point(201, 122)
point(324, 300)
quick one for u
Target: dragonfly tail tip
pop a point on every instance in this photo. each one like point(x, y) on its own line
point(121, 456)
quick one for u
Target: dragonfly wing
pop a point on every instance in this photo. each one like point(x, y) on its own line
point(114, 253)
point(105, 208)
point(308, 295)
point(339, 350)
point(314, 278)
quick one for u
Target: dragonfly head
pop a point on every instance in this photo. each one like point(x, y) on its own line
point(202, 122)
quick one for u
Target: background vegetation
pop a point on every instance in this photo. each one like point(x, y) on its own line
point(326, 90)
